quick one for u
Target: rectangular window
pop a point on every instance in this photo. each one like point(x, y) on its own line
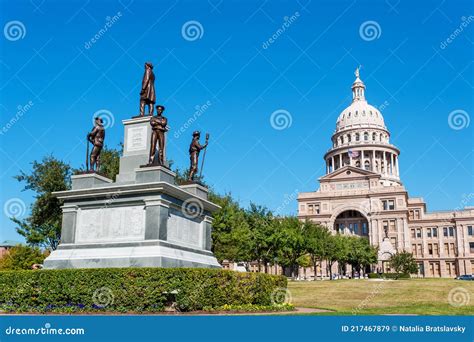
point(446, 249)
point(356, 228)
point(393, 240)
point(410, 214)
point(413, 233)
point(417, 214)
point(430, 249)
point(310, 208)
point(392, 226)
point(420, 249)
point(418, 233)
point(470, 231)
point(364, 228)
point(388, 204)
point(451, 231)
point(471, 247)
point(413, 248)
point(436, 249)
point(428, 232)
point(316, 208)
point(445, 231)
point(435, 232)
point(452, 249)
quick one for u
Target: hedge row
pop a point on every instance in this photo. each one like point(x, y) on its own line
point(389, 276)
point(134, 289)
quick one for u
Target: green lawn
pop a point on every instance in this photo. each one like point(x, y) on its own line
point(368, 297)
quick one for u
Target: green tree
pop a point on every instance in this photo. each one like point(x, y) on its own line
point(261, 224)
point(231, 235)
point(109, 162)
point(361, 254)
point(291, 242)
point(316, 242)
point(22, 258)
point(403, 263)
point(336, 251)
point(43, 226)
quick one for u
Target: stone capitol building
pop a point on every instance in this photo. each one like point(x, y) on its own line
point(362, 194)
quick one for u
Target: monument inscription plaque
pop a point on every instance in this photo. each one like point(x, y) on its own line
point(136, 139)
point(110, 224)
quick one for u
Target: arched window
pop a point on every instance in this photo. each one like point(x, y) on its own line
point(357, 163)
point(366, 136)
point(367, 165)
point(348, 138)
point(374, 136)
point(357, 136)
point(381, 137)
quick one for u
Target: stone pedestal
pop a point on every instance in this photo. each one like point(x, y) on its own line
point(136, 147)
point(142, 220)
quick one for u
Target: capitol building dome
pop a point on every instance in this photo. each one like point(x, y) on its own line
point(362, 140)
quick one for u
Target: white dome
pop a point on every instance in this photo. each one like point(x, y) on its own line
point(360, 115)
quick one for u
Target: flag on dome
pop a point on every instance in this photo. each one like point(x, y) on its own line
point(353, 154)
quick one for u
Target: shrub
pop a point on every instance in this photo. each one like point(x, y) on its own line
point(395, 276)
point(21, 258)
point(133, 289)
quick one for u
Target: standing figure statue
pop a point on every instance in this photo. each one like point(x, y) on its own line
point(147, 93)
point(159, 128)
point(96, 137)
point(194, 150)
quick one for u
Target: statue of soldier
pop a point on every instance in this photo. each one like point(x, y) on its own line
point(194, 150)
point(96, 137)
point(159, 128)
point(147, 93)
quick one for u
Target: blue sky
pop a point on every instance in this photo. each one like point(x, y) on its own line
point(49, 61)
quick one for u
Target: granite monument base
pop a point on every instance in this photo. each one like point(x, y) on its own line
point(144, 219)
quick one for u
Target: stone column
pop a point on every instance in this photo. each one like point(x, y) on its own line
point(350, 158)
point(332, 163)
point(156, 219)
point(372, 163)
point(397, 168)
point(340, 160)
point(362, 160)
point(406, 233)
point(327, 166)
point(385, 163)
point(441, 242)
point(391, 164)
point(68, 227)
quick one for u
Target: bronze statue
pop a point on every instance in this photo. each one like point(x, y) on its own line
point(194, 150)
point(95, 137)
point(159, 128)
point(147, 93)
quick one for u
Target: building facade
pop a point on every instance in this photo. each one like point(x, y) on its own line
point(362, 194)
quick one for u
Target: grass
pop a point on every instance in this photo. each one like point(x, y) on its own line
point(368, 297)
